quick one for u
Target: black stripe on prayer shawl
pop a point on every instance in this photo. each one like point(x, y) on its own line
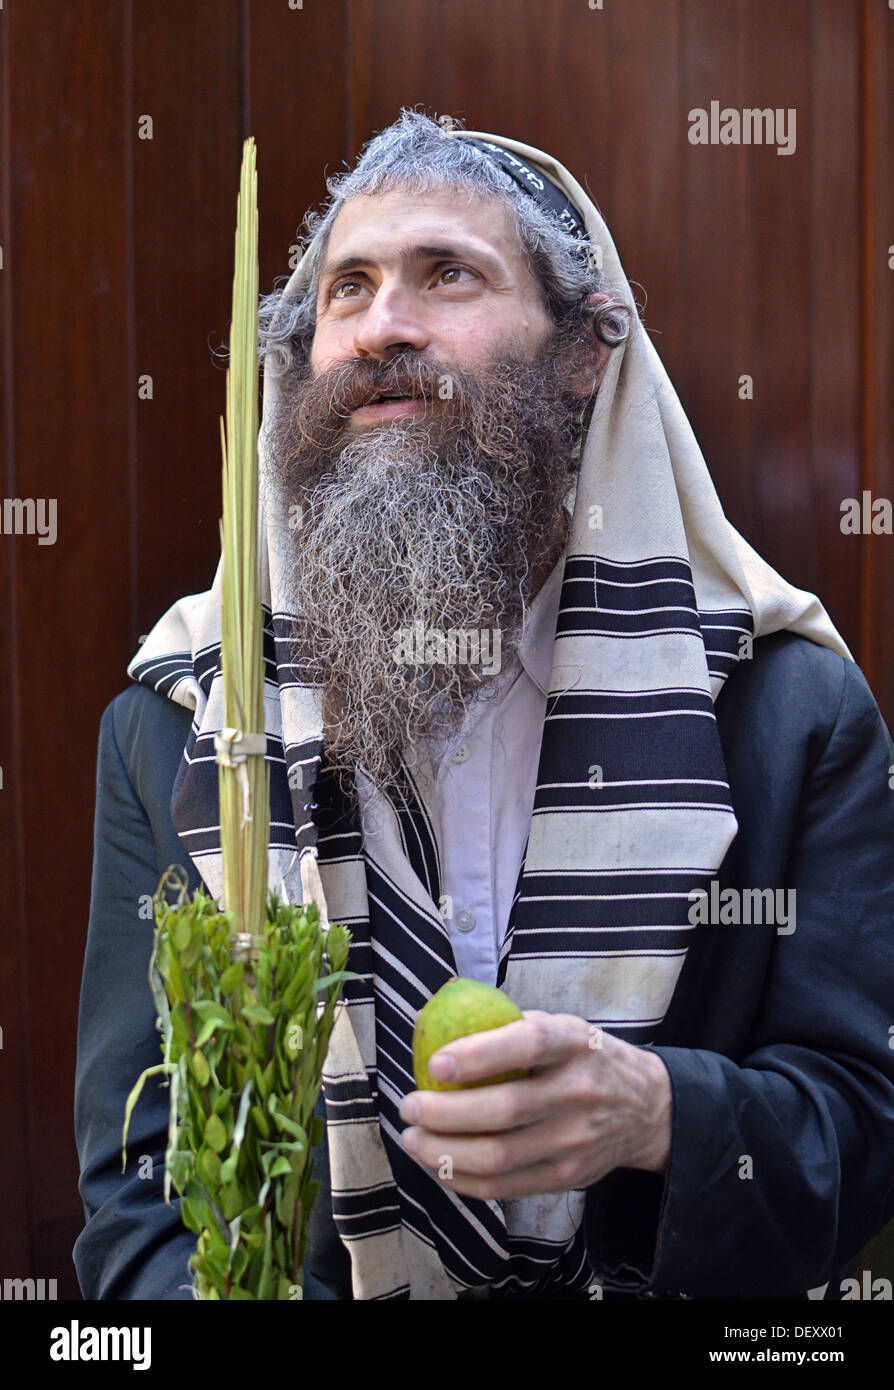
point(304, 760)
point(412, 957)
point(207, 659)
point(340, 828)
point(351, 1096)
point(416, 831)
point(354, 1213)
point(165, 673)
point(723, 630)
point(370, 1219)
point(304, 763)
point(573, 1274)
point(642, 598)
point(506, 944)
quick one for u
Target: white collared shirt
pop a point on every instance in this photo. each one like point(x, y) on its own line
point(484, 782)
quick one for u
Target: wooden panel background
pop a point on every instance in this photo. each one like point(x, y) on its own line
point(117, 263)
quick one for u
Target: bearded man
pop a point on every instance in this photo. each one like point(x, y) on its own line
point(537, 715)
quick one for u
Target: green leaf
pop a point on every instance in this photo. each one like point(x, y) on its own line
point(189, 1216)
point(209, 1008)
point(262, 1082)
point(260, 1120)
point(228, 1168)
point(179, 1165)
point(199, 1067)
point(176, 987)
point(258, 1014)
point(216, 1271)
point(232, 977)
point(298, 987)
point(182, 935)
point(279, 1247)
point(222, 1102)
point(191, 954)
point(240, 1264)
point(326, 980)
point(280, 1167)
point(206, 1031)
point(285, 1123)
point(231, 1199)
point(132, 1099)
point(286, 1200)
point(179, 1027)
point(215, 1134)
point(209, 1168)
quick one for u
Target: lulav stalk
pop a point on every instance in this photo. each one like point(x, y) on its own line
point(243, 785)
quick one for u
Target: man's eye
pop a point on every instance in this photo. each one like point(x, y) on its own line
point(345, 284)
point(454, 270)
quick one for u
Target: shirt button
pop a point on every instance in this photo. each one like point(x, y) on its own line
point(461, 753)
point(464, 919)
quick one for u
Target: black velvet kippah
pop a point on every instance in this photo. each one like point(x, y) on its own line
point(550, 198)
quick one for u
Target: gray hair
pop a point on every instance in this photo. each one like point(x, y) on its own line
point(413, 153)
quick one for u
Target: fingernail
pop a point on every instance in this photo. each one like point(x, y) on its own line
point(409, 1140)
point(409, 1109)
point(443, 1066)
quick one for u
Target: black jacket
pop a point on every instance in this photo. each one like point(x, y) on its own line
point(780, 1046)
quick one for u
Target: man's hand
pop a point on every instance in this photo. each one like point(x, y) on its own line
point(592, 1103)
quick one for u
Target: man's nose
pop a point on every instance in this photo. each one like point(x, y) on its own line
point(389, 324)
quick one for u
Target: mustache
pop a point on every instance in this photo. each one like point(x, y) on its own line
point(360, 381)
point(483, 400)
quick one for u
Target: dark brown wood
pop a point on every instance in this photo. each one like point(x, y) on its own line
point(831, 135)
point(187, 77)
point(877, 342)
point(15, 1232)
point(297, 105)
point(66, 277)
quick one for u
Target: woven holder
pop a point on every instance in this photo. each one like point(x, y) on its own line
point(232, 747)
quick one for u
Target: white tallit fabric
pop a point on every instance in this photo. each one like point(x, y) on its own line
point(658, 592)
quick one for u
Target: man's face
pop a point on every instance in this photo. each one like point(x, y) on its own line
point(442, 275)
point(443, 508)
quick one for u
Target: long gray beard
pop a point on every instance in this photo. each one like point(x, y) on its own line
point(414, 565)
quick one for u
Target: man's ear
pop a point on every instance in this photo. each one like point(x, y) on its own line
point(585, 380)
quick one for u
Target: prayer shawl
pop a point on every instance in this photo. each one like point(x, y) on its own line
point(660, 598)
